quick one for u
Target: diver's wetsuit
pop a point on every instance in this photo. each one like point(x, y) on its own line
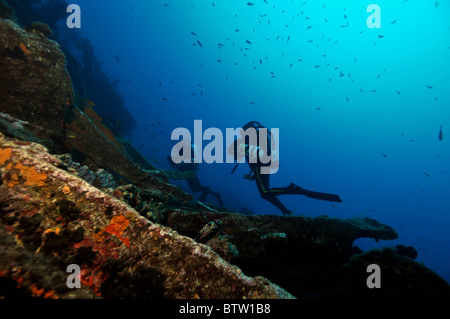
point(195, 186)
point(270, 194)
point(194, 183)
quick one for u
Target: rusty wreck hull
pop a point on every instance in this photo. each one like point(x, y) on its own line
point(56, 216)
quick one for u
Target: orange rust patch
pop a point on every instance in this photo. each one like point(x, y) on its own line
point(14, 180)
point(24, 48)
point(117, 226)
point(99, 236)
point(32, 177)
point(93, 279)
point(35, 292)
point(53, 230)
point(66, 189)
point(5, 154)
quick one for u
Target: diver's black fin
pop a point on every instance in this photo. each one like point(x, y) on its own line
point(323, 196)
point(316, 195)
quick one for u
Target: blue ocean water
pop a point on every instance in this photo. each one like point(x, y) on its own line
point(359, 109)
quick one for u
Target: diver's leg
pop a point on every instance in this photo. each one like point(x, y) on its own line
point(263, 183)
point(262, 180)
point(206, 191)
point(293, 189)
point(203, 197)
point(194, 184)
point(219, 198)
point(276, 202)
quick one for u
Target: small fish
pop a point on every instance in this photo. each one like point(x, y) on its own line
point(219, 60)
point(248, 41)
point(200, 44)
point(309, 27)
point(193, 33)
point(117, 58)
point(384, 155)
point(348, 100)
point(250, 4)
point(429, 86)
point(361, 90)
point(317, 66)
point(426, 174)
point(398, 92)
point(393, 21)
point(440, 133)
point(380, 36)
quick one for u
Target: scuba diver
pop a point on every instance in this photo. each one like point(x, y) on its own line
point(243, 147)
point(188, 171)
